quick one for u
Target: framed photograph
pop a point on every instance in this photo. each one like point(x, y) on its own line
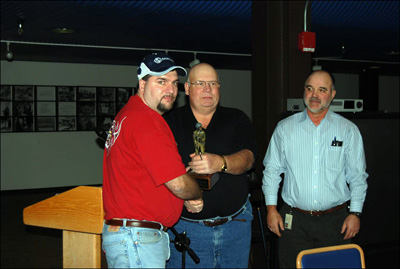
point(46, 108)
point(67, 109)
point(86, 94)
point(120, 105)
point(23, 124)
point(45, 93)
point(123, 94)
point(46, 124)
point(86, 108)
point(6, 109)
point(23, 93)
point(106, 94)
point(5, 125)
point(66, 93)
point(107, 108)
point(5, 93)
point(104, 122)
point(67, 123)
point(24, 109)
point(5, 116)
point(86, 123)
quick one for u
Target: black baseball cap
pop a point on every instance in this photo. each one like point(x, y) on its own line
point(158, 64)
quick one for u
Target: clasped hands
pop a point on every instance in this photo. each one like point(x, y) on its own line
point(194, 206)
point(206, 164)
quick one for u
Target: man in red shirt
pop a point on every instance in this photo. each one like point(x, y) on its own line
point(144, 180)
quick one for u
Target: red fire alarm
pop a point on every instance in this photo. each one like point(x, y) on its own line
point(307, 41)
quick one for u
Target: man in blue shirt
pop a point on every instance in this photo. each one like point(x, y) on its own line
point(321, 155)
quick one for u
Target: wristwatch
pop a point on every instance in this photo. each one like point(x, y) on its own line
point(358, 214)
point(224, 166)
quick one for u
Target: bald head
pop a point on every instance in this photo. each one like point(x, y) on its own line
point(203, 97)
point(202, 69)
point(322, 72)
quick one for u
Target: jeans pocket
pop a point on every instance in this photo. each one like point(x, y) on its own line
point(115, 246)
point(153, 248)
point(149, 236)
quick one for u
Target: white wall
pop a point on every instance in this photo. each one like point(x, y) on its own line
point(58, 159)
point(67, 74)
point(347, 86)
point(389, 93)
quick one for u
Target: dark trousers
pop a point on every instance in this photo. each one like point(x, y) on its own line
point(309, 232)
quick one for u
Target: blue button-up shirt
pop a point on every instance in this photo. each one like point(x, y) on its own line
point(324, 166)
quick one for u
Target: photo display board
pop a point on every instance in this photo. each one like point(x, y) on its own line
point(60, 108)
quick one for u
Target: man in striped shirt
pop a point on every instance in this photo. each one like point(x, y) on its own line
point(321, 155)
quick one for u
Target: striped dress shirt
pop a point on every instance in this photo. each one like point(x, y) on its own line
point(323, 166)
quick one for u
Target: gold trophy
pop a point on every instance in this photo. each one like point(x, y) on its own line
point(205, 181)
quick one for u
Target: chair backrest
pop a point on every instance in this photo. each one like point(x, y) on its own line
point(340, 256)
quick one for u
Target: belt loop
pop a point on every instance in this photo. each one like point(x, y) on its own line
point(124, 221)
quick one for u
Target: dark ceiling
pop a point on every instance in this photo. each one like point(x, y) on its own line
point(119, 32)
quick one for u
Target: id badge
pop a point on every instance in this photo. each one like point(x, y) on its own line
point(288, 221)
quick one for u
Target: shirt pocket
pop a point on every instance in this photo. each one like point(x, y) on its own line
point(335, 158)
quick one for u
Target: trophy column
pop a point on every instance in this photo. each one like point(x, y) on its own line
point(205, 181)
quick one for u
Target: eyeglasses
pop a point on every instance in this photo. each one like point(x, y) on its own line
point(203, 84)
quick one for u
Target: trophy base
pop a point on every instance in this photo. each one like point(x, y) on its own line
point(206, 181)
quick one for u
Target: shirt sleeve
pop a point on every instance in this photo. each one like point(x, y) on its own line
point(356, 175)
point(275, 165)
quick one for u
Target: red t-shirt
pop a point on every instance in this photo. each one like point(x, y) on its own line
point(140, 156)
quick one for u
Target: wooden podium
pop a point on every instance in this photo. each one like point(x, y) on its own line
point(79, 213)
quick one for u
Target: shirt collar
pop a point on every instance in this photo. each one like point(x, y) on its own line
point(190, 115)
point(304, 116)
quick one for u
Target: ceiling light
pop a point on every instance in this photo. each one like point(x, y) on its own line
point(63, 30)
point(195, 61)
point(20, 26)
point(9, 54)
point(316, 67)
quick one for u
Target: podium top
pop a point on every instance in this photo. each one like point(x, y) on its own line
point(79, 209)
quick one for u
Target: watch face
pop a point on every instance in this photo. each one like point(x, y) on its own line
point(358, 214)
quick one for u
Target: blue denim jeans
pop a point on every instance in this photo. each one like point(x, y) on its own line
point(130, 247)
point(222, 246)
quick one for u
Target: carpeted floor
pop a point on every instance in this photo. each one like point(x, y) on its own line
point(25, 246)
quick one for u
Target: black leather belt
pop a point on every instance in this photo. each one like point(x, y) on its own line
point(136, 223)
point(212, 223)
point(321, 212)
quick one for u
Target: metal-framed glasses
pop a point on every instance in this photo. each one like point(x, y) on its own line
point(202, 84)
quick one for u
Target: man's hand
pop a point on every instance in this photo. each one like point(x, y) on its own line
point(351, 225)
point(194, 206)
point(274, 220)
point(208, 163)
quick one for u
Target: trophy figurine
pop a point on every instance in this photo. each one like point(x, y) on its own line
point(199, 139)
point(205, 181)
